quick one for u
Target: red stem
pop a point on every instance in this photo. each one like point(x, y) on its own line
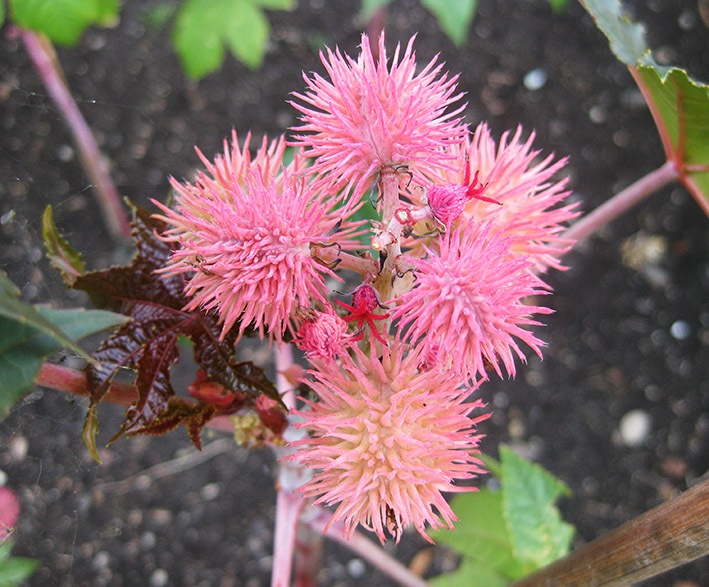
point(621, 202)
point(123, 394)
point(45, 61)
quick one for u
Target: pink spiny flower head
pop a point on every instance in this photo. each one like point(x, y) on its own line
point(9, 512)
point(237, 162)
point(387, 440)
point(322, 335)
point(245, 246)
point(372, 116)
point(531, 212)
point(467, 306)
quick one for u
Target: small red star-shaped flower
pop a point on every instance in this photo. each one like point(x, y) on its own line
point(364, 300)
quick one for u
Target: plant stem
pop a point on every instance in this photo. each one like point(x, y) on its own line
point(367, 549)
point(291, 475)
point(621, 202)
point(666, 537)
point(45, 61)
point(123, 394)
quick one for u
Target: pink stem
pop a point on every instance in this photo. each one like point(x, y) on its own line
point(44, 58)
point(291, 476)
point(368, 550)
point(621, 202)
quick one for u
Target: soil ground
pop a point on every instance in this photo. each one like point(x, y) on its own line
point(630, 329)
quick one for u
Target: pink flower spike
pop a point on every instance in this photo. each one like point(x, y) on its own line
point(387, 440)
point(467, 305)
point(373, 115)
point(246, 248)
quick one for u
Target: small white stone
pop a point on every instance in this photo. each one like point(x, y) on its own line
point(356, 568)
point(680, 330)
point(159, 578)
point(210, 491)
point(3, 478)
point(535, 79)
point(635, 427)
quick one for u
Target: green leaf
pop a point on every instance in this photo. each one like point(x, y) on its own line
point(481, 533)
point(537, 533)
point(59, 252)
point(558, 6)
point(15, 310)
point(679, 104)
point(453, 16)
point(471, 573)
point(248, 34)
point(277, 4)
point(64, 21)
point(2, 12)
point(24, 347)
point(15, 570)
point(204, 27)
point(369, 7)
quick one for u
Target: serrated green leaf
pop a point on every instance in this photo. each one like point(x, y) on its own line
point(369, 7)
point(679, 105)
point(24, 347)
point(470, 573)
point(204, 27)
point(536, 531)
point(453, 16)
point(60, 253)
point(63, 21)
point(481, 533)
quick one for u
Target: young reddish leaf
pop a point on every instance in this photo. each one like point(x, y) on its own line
point(148, 344)
point(179, 412)
point(60, 253)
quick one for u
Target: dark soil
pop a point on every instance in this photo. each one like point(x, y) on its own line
point(627, 334)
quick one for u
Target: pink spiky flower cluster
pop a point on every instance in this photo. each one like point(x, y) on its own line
point(388, 439)
point(466, 227)
point(371, 116)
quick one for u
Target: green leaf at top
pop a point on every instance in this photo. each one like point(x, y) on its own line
point(537, 533)
point(679, 105)
point(453, 16)
point(2, 12)
point(63, 21)
point(24, 346)
point(204, 27)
